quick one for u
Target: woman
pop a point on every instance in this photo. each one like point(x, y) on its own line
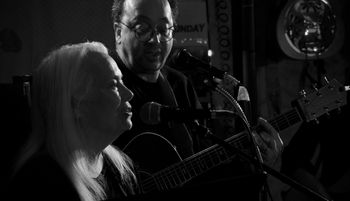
point(80, 106)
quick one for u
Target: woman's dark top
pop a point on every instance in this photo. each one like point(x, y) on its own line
point(41, 178)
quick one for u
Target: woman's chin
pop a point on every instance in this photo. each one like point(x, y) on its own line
point(128, 125)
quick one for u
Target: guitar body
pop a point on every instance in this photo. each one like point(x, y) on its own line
point(151, 153)
point(155, 156)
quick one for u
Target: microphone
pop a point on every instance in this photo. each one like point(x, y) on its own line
point(183, 59)
point(153, 113)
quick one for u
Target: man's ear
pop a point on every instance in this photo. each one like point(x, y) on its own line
point(117, 32)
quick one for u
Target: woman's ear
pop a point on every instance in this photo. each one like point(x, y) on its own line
point(117, 32)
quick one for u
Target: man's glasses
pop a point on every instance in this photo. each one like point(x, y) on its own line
point(144, 32)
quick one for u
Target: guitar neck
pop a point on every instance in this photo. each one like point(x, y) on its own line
point(285, 120)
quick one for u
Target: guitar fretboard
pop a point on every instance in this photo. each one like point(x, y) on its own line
point(286, 120)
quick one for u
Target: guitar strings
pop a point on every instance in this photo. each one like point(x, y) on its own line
point(286, 120)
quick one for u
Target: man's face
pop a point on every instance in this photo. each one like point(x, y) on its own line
point(138, 16)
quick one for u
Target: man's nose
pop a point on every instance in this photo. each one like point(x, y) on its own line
point(155, 37)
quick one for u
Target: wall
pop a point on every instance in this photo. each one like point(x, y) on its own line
point(42, 25)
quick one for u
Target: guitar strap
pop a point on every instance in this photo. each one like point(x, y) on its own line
point(180, 135)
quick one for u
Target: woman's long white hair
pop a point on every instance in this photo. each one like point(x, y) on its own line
point(60, 76)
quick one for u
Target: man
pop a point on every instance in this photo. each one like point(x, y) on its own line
point(143, 34)
point(144, 38)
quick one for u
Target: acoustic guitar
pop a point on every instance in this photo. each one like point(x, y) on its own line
point(160, 167)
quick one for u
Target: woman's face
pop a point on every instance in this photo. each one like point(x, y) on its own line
point(105, 109)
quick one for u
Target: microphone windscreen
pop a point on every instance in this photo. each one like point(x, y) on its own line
point(178, 59)
point(182, 59)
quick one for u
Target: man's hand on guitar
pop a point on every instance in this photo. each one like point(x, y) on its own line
point(269, 142)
